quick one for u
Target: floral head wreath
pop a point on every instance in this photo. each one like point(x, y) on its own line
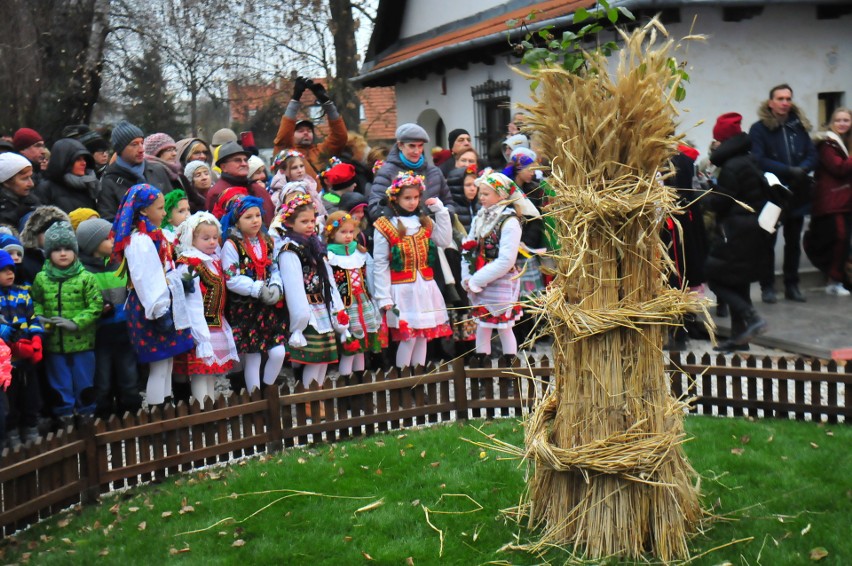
point(284, 154)
point(333, 225)
point(403, 180)
point(289, 208)
point(377, 165)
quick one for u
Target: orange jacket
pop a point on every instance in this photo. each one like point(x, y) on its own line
point(317, 154)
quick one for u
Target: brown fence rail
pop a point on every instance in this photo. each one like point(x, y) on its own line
point(75, 466)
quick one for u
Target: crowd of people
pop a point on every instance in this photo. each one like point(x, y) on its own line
point(155, 266)
point(143, 264)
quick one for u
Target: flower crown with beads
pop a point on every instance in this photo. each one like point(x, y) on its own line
point(289, 208)
point(285, 154)
point(403, 180)
point(377, 165)
point(332, 226)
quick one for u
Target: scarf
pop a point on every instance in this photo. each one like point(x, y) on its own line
point(486, 220)
point(129, 218)
point(87, 182)
point(413, 164)
point(315, 247)
point(62, 274)
point(138, 170)
point(173, 170)
point(340, 249)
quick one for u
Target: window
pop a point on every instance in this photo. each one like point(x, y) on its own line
point(492, 113)
point(362, 114)
point(828, 103)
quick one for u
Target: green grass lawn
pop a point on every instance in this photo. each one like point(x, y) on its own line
point(784, 486)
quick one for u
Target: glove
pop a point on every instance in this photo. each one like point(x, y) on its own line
point(798, 174)
point(299, 87)
point(22, 349)
point(6, 332)
point(38, 352)
point(65, 324)
point(46, 322)
point(165, 324)
point(319, 91)
point(297, 339)
point(267, 295)
point(188, 285)
point(434, 204)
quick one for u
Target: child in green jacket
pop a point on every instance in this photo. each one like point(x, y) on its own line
point(68, 303)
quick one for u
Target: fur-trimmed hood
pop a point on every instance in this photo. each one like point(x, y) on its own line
point(769, 120)
point(832, 138)
point(40, 220)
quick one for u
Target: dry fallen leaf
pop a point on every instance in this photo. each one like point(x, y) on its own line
point(423, 454)
point(409, 561)
point(380, 443)
point(814, 445)
point(771, 438)
point(415, 503)
point(239, 542)
point(166, 514)
point(104, 552)
point(482, 455)
point(401, 436)
point(806, 529)
point(737, 451)
point(371, 506)
point(187, 509)
point(818, 553)
point(435, 464)
point(402, 453)
point(365, 555)
point(63, 523)
point(67, 541)
point(340, 472)
point(829, 433)
point(745, 439)
point(301, 460)
point(133, 509)
point(114, 509)
point(379, 472)
point(143, 525)
point(347, 539)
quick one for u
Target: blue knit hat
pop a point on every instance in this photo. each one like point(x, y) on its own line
point(123, 133)
point(8, 242)
point(6, 260)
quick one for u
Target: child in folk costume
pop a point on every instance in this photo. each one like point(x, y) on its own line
point(348, 262)
point(290, 168)
point(316, 311)
point(254, 290)
point(493, 285)
point(156, 309)
point(199, 263)
point(404, 252)
point(177, 210)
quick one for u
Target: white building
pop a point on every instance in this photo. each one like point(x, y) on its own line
point(450, 59)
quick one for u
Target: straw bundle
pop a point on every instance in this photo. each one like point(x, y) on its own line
point(610, 476)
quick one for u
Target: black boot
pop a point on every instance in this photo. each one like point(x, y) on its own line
point(754, 325)
point(721, 309)
point(792, 293)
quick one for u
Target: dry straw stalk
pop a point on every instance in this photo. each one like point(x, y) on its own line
point(610, 476)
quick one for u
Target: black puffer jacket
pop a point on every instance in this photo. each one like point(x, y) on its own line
point(436, 185)
point(62, 189)
point(465, 209)
point(741, 254)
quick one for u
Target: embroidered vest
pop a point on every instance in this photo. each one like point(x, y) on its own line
point(213, 288)
point(489, 245)
point(410, 255)
point(350, 283)
point(310, 276)
point(245, 265)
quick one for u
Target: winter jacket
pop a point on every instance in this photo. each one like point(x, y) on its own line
point(833, 192)
point(13, 207)
point(317, 154)
point(60, 187)
point(686, 241)
point(778, 147)
point(255, 189)
point(465, 209)
point(16, 306)
point(78, 299)
point(113, 288)
point(117, 180)
point(436, 184)
point(363, 174)
point(741, 255)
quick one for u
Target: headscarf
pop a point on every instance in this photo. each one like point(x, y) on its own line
point(220, 209)
point(172, 200)
point(517, 162)
point(128, 218)
point(236, 208)
point(186, 230)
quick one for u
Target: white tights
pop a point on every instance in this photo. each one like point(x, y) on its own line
point(159, 381)
point(251, 367)
point(507, 340)
point(411, 352)
point(314, 372)
point(203, 386)
point(348, 364)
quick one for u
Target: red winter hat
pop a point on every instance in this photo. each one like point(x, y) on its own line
point(24, 138)
point(340, 176)
point(727, 126)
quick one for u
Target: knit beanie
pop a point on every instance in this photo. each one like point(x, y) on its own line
point(454, 136)
point(90, 234)
point(255, 164)
point(94, 142)
point(123, 133)
point(411, 133)
point(9, 243)
point(727, 126)
point(156, 143)
point(6, 260)
point(192, 167)
point(223, 136)
point(60, 235)
point(11, 164)
point(24, 138)
point(78, 215)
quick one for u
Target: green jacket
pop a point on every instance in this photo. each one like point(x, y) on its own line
point(78, 299)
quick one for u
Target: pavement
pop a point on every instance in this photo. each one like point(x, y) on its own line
point(820, 327)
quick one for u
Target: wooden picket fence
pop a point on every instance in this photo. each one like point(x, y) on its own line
point(76, 466)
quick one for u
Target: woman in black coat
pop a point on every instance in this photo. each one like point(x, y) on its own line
point(739, 256)
point(70, 181)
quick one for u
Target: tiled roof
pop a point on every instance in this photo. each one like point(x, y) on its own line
point(495, 26)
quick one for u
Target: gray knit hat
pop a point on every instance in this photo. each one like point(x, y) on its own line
point(223, 136)
point(123, 133)
point(91, 232)
point(60, 235)
point(410, 133)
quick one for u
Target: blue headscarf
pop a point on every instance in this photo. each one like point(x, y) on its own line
point(236, 208)
point(518, 163)
point(136, 199)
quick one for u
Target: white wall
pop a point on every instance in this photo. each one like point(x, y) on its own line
point(424, 15)
point(731, 72)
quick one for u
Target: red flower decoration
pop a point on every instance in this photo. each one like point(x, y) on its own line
point(342, 317)
point(351, 345)
point(470, 245)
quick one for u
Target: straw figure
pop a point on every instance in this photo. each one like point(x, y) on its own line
point(610, 476)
